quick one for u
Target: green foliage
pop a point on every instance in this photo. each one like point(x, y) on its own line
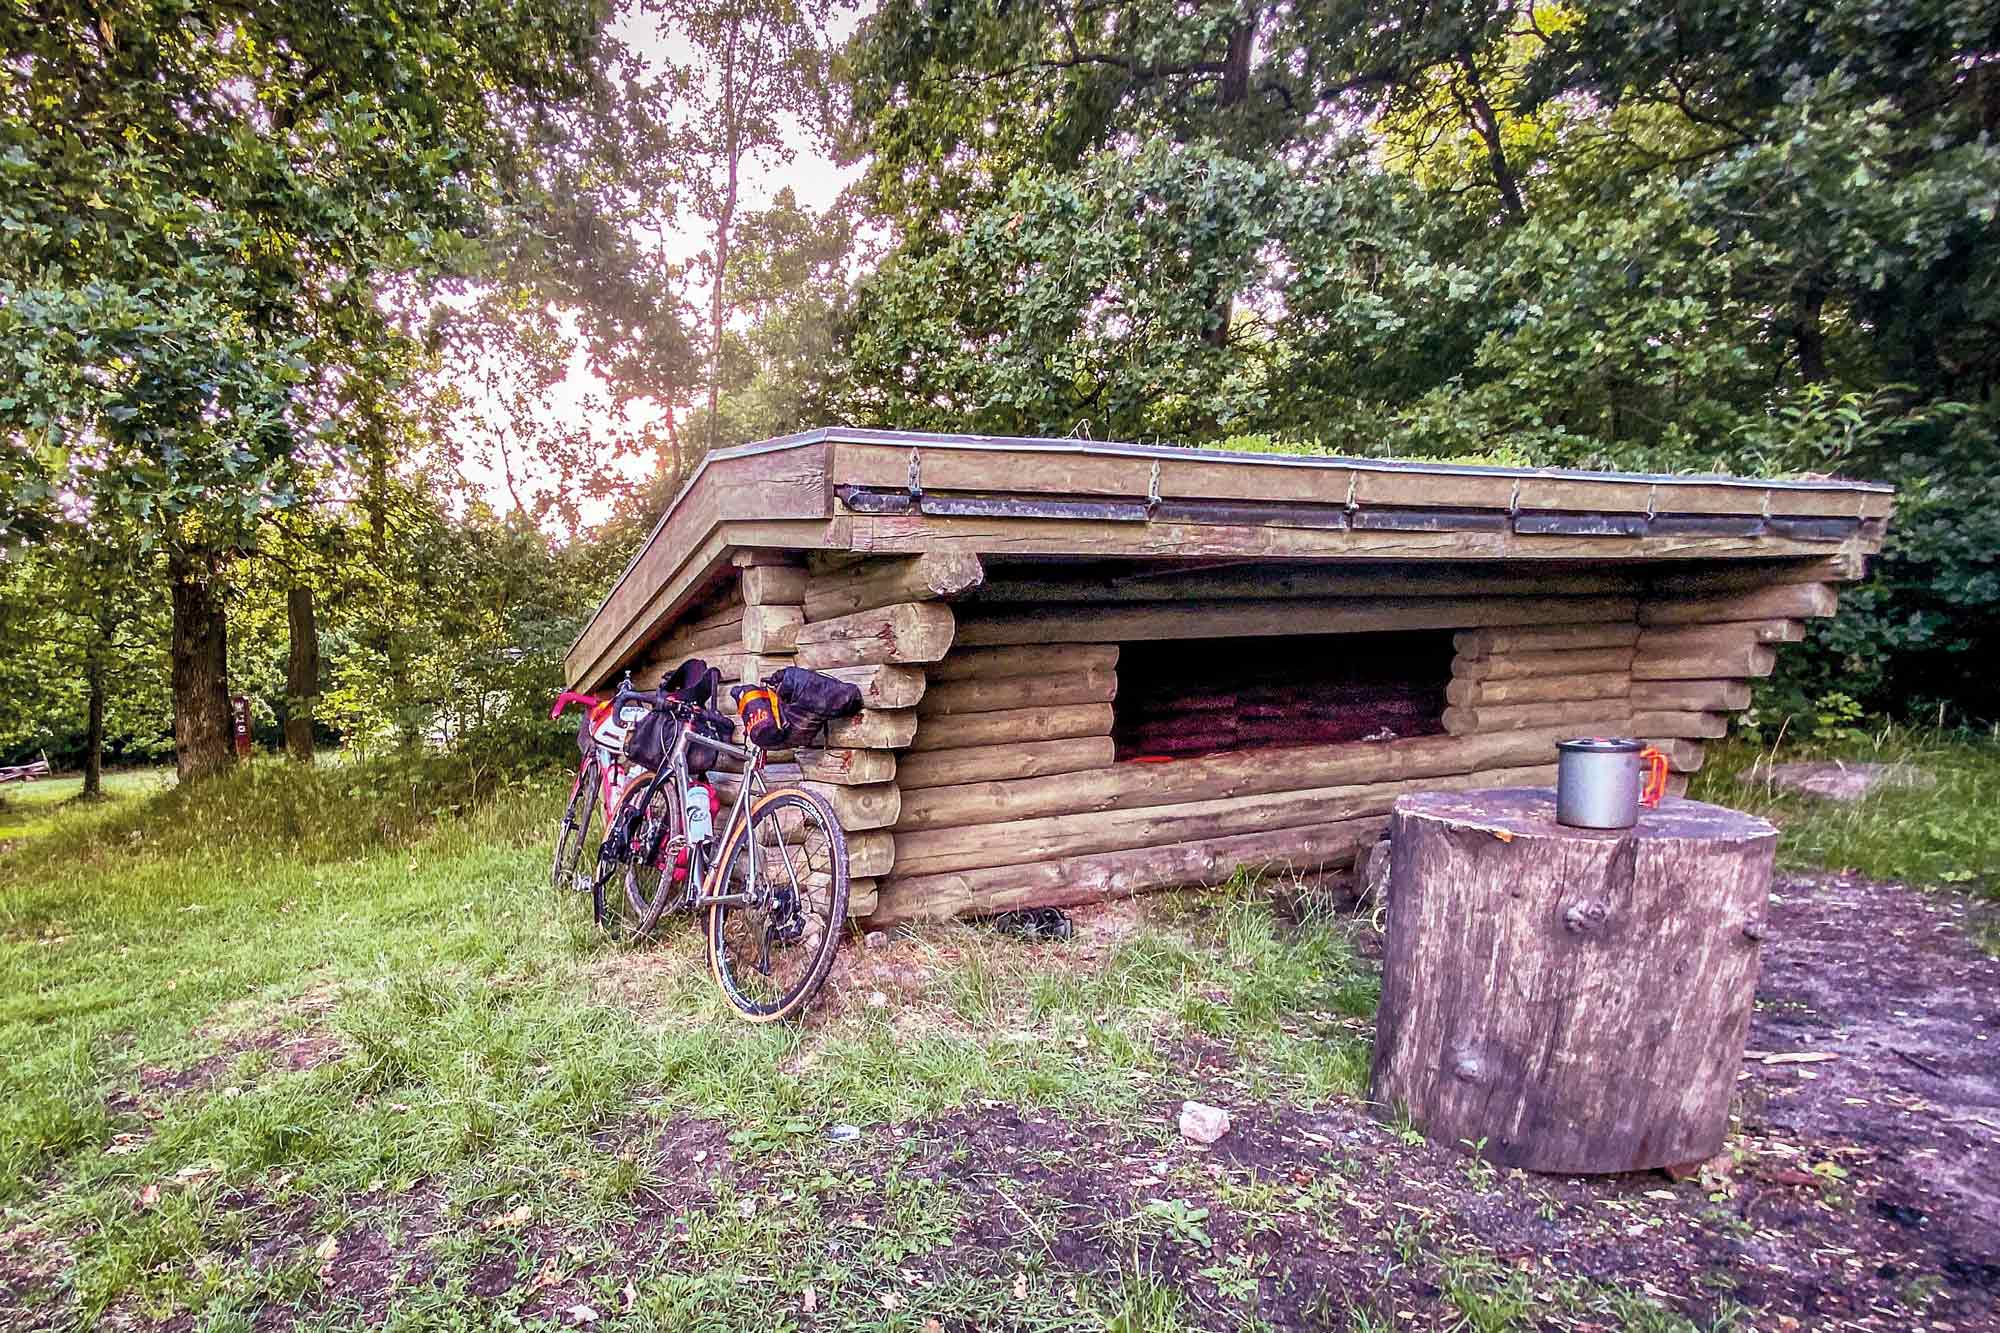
point(1941, 833)
point(1748, 238)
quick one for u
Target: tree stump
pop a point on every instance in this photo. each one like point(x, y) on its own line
point(1569, 1000)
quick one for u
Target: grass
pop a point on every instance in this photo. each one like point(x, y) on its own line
point(1942, 835)
point(288, 991)
point(292, 1010)
point(29, 809)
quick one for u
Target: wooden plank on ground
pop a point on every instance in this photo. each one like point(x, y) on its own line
point(1073, 881)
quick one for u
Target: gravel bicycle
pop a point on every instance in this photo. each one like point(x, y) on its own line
point(771, 874)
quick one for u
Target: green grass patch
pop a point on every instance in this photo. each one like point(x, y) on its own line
point(28, 809)
point(1945, 834)
point(287, 990)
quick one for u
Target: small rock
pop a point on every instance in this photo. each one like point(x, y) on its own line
point(875, 939)
point(1837, 781)
point(843, 1133)
point(1202, 1123)
point(877, 1000)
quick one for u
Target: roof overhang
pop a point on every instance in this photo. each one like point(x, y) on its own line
point(890, 492)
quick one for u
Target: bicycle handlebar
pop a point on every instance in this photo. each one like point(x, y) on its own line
point(568, 697)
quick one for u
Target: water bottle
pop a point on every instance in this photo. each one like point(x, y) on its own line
point(700, 819)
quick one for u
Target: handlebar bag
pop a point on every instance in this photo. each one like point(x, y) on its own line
point(651, 740)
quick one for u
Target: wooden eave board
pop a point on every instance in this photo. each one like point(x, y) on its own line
point(783, 494)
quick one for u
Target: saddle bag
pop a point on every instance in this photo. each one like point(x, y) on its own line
point(789, 707)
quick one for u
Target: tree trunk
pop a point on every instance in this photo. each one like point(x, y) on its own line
point(203, 733)
point(93, 739)
point(1568, 999)
point(1486, 124)
point(302, 673)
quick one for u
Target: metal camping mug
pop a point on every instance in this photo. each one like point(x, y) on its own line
point(1598, 784)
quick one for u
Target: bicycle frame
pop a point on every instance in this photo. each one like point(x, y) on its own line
point(674, 775)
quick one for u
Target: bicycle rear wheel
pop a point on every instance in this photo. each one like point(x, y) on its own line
point(650, 886)
point(770, 954)
point(574, 866)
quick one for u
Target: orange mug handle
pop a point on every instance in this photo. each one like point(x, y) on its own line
point(1656, 776)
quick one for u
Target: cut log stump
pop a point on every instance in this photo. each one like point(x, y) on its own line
point(1571, 1000)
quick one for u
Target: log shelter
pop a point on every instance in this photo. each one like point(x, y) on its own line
point(1092, 670)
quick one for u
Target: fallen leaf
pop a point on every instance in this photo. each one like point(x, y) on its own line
point(809, 1300)
point(1020, 1286)
point(582, 1314)
point(891, 1301)
point(149, 1196)
point(513, 1217)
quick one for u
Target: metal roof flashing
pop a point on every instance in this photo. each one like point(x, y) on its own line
point(942, 442)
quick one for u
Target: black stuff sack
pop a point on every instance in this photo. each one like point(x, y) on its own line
point(808, 700)
point(651, 740)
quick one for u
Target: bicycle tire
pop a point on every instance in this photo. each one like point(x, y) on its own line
point(650, 889)
point(573, 834)
point(818, 910)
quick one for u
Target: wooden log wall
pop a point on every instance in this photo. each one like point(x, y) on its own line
point(877, 624)
point(1012, 795)
point(982, 773)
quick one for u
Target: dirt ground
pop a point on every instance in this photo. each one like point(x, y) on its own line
point(1860, 1189)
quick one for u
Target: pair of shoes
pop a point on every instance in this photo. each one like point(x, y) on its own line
point(1034, 923)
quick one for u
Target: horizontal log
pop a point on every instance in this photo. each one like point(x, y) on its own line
point(774, 585)
point(1737, 661)
point(861, 897)
point(1213, 777)
point(1789, 601)
point(1559, 665)
point(858, 809)
point(870, 855)
point(884, 686)
point(1690, 696)
point(1027, 841)
point(1752, 575)
point(847, 768)
point(1683, 756)
point(1702, 726)
point(1689, 640)
point(1303, 581)
point(906, 632)
point(772, 629)
point(1005, 692)
point(1549, 639)
point(1225, 620)
point(923, 578)
point(1076, 880)
point(1538, 689)
point(988, 663)
point(727, 637)
point(956, 731)
point(714, 613)
point(1585, 715)
point(991, 763)
point(873, 729)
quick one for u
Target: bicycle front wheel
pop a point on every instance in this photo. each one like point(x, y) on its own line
point(574, 865)
point(771, 951)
